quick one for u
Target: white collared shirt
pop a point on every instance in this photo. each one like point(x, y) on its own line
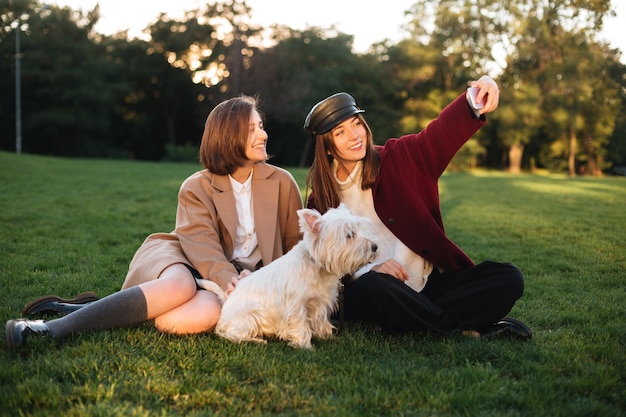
point(361, 202)
point(246, 241)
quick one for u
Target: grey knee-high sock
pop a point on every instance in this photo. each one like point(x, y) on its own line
point(121, 309)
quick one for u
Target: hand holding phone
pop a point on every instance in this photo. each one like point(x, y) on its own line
point(472, 92)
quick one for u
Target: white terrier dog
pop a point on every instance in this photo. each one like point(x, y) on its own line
point(292, 298)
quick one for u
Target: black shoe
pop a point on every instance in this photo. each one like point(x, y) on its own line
point(509, 327)
point(16, 331)
point(52, 304)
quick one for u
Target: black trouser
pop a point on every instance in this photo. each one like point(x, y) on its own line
point(472, 299)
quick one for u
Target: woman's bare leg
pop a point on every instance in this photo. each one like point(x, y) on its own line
point(198, 315)
point(177, 306)
point(174, 287)
point(173, 301)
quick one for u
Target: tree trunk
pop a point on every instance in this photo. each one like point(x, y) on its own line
point(571, 160)
point(515, 158)
point(592, 162)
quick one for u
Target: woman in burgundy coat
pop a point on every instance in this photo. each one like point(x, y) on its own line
point(422, 281)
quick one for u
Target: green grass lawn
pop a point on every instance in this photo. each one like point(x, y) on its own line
point(70, 225)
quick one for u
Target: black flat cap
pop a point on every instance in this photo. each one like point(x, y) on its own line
point(329, 112)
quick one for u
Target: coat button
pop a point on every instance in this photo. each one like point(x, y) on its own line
point(391, 220)
point(425, 251)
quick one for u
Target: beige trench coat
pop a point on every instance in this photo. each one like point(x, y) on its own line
point(206, 226)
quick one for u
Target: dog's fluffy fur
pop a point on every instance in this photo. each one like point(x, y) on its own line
point(292, 298)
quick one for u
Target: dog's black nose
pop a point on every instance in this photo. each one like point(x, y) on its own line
point(374, 247)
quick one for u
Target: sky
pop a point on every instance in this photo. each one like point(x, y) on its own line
point(358, 18)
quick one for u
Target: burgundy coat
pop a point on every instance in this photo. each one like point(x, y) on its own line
point(406, 191)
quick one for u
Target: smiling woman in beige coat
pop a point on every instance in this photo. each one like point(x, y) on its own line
point(236, 215)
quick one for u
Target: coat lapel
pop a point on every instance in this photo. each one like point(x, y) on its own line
point(265, 194)
point(225, 206)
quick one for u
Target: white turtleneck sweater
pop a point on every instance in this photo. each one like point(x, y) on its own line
point(361, 203)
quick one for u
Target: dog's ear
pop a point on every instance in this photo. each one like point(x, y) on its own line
point(309, 220)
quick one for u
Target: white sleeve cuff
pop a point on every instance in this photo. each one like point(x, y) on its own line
point(362, 271)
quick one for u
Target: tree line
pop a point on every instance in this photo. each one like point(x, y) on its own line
point(84, 94)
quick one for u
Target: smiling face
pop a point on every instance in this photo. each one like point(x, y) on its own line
point(255, 148)
point(257, 139)
point(234, 138)
point(350, 143)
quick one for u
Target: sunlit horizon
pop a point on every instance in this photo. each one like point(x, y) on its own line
point(368, 23)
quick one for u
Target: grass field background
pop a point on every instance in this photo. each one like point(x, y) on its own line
point(71, 225)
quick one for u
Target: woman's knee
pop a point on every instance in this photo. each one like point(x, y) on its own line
point(179, 279)
point(513, 279)
point(200, 314)
point(211, 308)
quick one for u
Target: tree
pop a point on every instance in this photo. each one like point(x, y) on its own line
point(84, 94)
point(65, 107)
point(449, 43)
point(518, 119)
point(466, 35)
point(605, 108)
point(552, 52)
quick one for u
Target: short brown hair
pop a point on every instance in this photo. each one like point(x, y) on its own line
point(225, 137)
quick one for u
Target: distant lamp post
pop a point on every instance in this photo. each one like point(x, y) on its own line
point(17, 25)
point(18, 89)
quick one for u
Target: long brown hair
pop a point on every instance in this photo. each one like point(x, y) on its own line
point(320, 178)
point(225, 137)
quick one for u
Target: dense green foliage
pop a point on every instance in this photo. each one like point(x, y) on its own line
point(70, 225)
point(85, 94)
